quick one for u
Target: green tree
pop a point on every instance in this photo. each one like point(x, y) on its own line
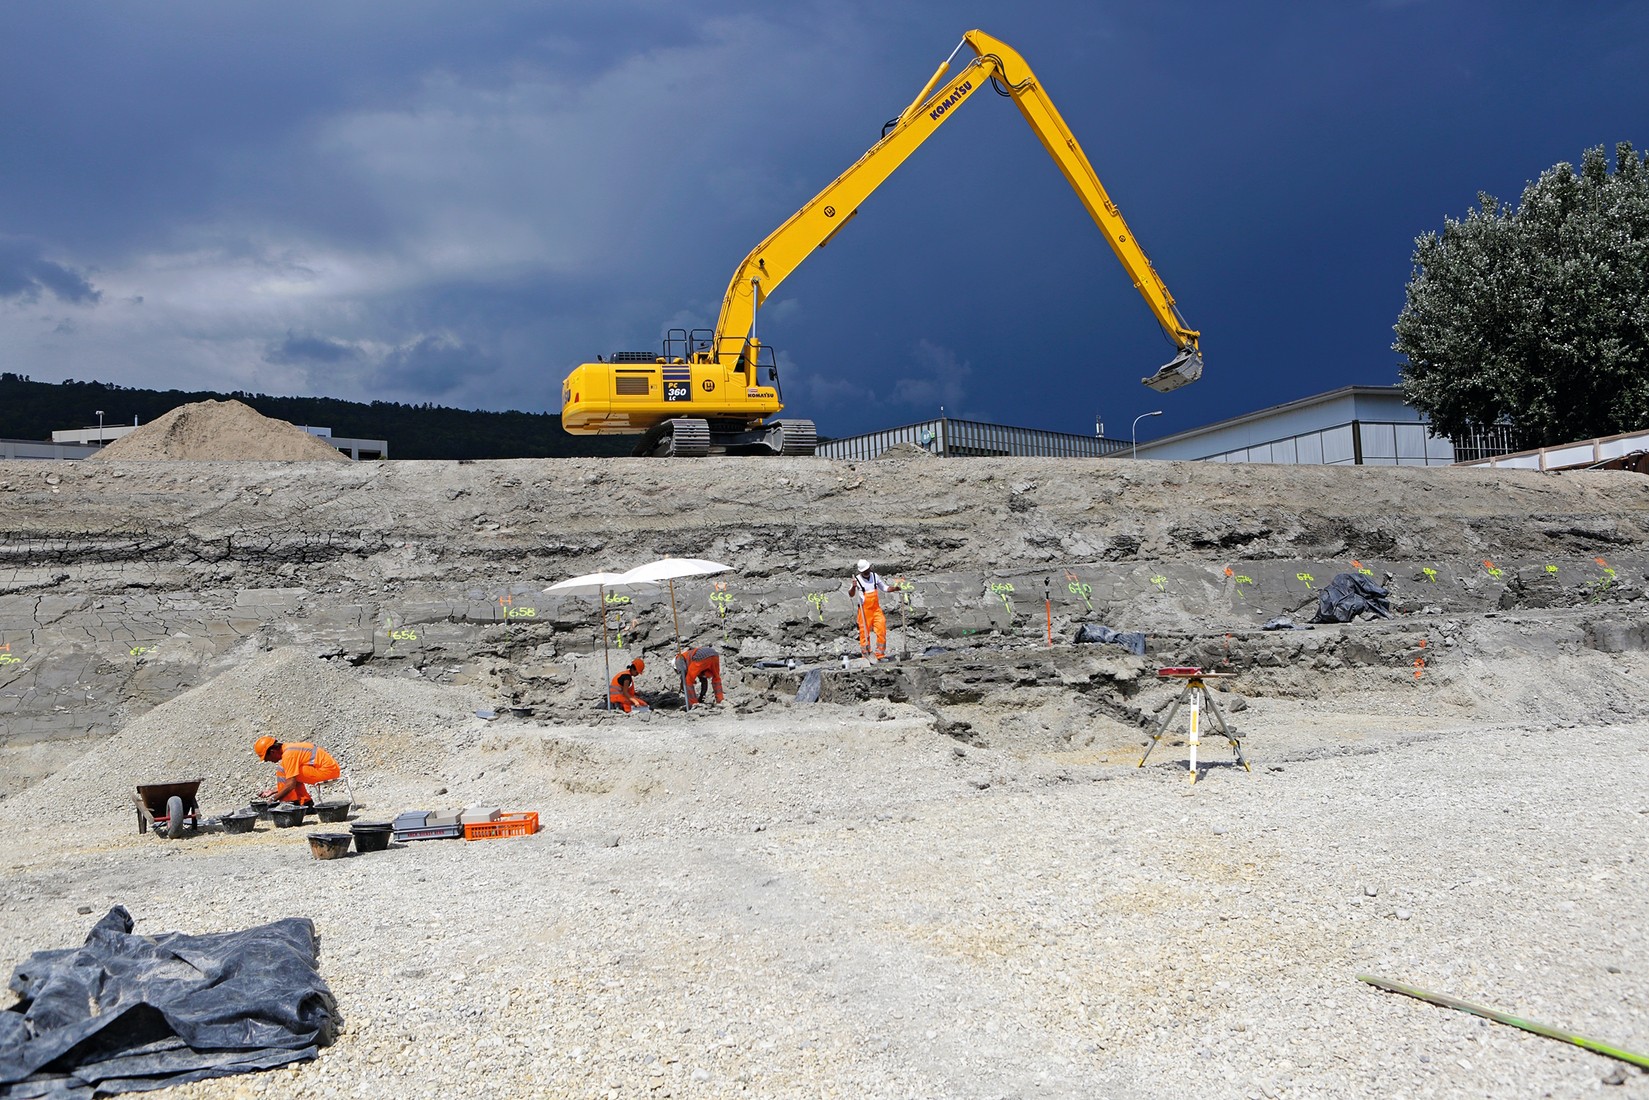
point(1536, 316)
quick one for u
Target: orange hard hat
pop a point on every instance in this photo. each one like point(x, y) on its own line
point(263, 744)
point(638, 665)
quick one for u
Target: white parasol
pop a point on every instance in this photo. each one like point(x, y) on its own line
point(669, 570)
point(597, 584)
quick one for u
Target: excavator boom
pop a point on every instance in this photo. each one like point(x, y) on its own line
point(727, 358)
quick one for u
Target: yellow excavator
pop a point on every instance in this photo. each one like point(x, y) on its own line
point(714, 390)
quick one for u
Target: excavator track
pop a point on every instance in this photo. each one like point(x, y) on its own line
point(797, 437)
point(679, 438)
point(688, 439)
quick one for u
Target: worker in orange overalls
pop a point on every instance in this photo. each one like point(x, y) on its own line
point(621, 692)
point(297, 763)
point(700, 670)
point(867, 588)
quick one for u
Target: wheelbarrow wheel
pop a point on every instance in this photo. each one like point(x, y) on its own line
point(174, 817)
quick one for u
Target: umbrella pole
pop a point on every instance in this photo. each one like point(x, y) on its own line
point(675, 620)
point(606, 662)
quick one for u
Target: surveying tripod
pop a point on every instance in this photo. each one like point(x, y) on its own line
point(1197, 694)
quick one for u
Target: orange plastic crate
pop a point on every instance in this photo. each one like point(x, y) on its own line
point(506, 825)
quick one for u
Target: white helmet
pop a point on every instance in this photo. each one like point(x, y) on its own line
point(864, 566)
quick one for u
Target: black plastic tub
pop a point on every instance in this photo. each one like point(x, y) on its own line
point(371, 836)
point(332, 812)
point(241, 821)
point(286, 817)
point(328, 845)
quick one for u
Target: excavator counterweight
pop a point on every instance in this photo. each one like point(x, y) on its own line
point(715, 391)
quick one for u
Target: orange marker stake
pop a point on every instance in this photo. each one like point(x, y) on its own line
point(1048, 606)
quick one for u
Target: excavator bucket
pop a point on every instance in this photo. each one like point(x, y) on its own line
point(1182, 370)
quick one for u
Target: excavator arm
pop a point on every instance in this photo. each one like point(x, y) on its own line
point(823, 216)
point(707, 391)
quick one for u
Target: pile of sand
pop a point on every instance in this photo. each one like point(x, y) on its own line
point(385, 732)
point(208, 431)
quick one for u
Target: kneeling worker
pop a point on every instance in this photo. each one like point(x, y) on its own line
point(700, 669)
point(621, 692)
point(296, 763)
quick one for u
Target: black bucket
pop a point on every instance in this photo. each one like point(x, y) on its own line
point(332, 812)
point(328, 845)
point(286, 817)
point(241, 821)
point(371, 837)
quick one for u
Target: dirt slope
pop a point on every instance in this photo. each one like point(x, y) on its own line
point(949, 877)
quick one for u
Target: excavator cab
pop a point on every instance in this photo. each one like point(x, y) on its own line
point(685, 400)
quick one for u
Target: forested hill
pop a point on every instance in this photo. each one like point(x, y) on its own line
point(33, 410)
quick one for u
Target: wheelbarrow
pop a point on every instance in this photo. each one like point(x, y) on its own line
point(169, 807)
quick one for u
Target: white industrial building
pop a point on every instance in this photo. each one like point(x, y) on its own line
point(1350, 426)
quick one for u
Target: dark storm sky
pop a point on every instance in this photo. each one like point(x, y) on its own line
point(458, 202)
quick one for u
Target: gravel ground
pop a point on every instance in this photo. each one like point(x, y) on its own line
point(948, 879)
point(842, 902)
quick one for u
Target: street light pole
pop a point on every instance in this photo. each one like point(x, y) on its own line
point(100, 427)
point(1134, 433)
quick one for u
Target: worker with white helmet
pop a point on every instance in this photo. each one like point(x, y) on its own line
point(867, 588)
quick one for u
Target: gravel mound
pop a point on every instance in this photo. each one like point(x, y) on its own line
point(207, 431)
point(380, 731)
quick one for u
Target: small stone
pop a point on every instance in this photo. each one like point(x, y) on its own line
point(608, 841)
point(1610, 969)
point(1370, 892)
point(86, 909)
point(1617, 1076)
point(1220, 830)
point(1402, 914)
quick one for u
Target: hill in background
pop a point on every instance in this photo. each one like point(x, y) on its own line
point(33, 410)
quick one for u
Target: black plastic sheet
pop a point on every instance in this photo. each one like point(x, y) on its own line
point(810, 687)
point(128, 1013)
point(1349, 595)
point(1133, 640)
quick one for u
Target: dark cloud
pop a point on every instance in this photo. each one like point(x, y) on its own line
point(434, 365)
point(25, 274)
point(297, 350)
point(499, 194)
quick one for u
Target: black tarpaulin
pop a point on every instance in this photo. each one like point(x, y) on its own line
point(1133, 640)
point(128, 1013)
point(1349, 595)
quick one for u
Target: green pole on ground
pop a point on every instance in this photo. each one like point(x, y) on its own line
point(1506, 1018)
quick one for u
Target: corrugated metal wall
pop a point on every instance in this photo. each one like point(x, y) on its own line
point(951, 438)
